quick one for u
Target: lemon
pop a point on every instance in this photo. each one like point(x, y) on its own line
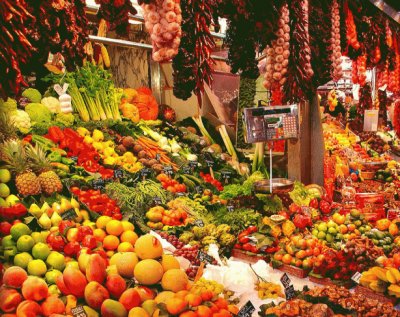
point(37, 268)
point(5, 176)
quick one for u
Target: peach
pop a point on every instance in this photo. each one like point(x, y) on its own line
point(204, 311)
point(34, 288)
point(61, 285)
point(96, 269)
point(145, 293)
point(29, 308)
point(175, 305)
point(116, 285)
point(95, 294)
point(52, 305)
point(9, 300)
point(83, 261)
point(112, 308)
point(75, 281)
point(193, 299)
point(130, 298)
point(138, 312)
point(188, 313)
point(14, 276)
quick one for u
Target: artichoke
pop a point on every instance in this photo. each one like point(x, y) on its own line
point(221, 229)
point(209, 240)
point(211, 229)
point(186, 237)
point(199, 232)
point(227, 239)
point(194, 242)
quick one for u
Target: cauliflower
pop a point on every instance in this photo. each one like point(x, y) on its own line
point(8, 106)
point(38, 112)
point(32, 94)
point(21, 121)
point(52, 104)
point(66, 119)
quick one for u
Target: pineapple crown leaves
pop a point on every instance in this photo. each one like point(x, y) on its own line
point(37, 159)
point(7, 127)
point(13, 154)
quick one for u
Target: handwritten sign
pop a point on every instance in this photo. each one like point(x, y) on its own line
point(199, 223)
point(226, 174)
point(193, 164)
point(204, 257)
point(287, 284)
point(199, 189)
point(180, 194)
point(356, 277)
point(145, 172)
point(158, 156)
point(157, 200)
point(247, 310)
point(230, 208)
point(118, 173)
point(74, 158)
point(210, 163)
point(98, 183)
point(78, 311)
point(168, 170)
point(186, 169)
point(69, 214)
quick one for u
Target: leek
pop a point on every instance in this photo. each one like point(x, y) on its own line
point(199, 122)
point(258, 159)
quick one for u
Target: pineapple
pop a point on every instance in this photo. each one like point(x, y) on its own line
point(13, 154)
point(48, 179)
point(7, 127)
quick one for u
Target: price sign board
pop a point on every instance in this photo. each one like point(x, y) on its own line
point(356, 277)
point(186, 169)
point(193, 164)
point(74, 158)
point(230, 208)
point(118, 173)
point(199, 223)
point(204, 257)
point(69, 214)
point(168, 170)
point(98, 184)
point(78, 311)
point(287, 284)
point(157, 200)
point(247, 310)
point(145, 172)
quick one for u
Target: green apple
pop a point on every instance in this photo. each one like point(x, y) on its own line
point(56, 261)
point(4, 190)
point(37, 236)
point(22, 259)
point(51, 276)
point(3, 203)
point(9, 252)
point(53, 290)
point(12, 200)
point(73, 264)
point(322, 227)
point(18, 230)
point(8, 241)
point(37, 268)
point(41, 251)
point(321, 235)
point(25, 243)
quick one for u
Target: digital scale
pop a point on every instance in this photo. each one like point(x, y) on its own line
point(271, 123)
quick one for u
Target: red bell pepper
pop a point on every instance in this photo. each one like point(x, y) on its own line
point(55, 134)
point(13, 212)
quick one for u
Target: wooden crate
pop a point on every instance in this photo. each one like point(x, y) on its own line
point(248, 256)
point(293, 270)
point(367, 292)
point(328, 281)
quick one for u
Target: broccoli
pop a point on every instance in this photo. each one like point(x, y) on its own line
point(67, 119)
point(32, 94)
point(8, 106)
point(38, 113)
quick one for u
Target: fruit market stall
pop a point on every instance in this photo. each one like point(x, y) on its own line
point(114, 204)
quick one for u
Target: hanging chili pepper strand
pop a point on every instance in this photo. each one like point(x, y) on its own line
point(336, 54)
point(15, 47)
point(193, 63)
point(298, 85)
point(353, 45)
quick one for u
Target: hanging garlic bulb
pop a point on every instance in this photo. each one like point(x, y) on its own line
point(336, 54)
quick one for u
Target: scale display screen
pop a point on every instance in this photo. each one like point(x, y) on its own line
point(271, 123)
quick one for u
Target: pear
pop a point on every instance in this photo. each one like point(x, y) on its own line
point(35, 211)
point(45, 207)
point(74, 203)
point(55, 219)
point(44, 221)
point(56, 207)
point(65, 205)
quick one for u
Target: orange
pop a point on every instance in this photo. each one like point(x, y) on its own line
point(127, 225)
point(278, 256)
point(129, 236)
point(299, 263)
point(175, 305)
point(125, 247)
point(311, 243)
point(343, 229)
point(301, 254)
point(114, 227)
point(188, 313)
point(182, 294)
point(287, 259)
point(233, 309)
point(110, 253)
point(351, 227)
point(110, 242)
point(102, 221)
point(204, 311)
point(99, 234)
point(193, 299)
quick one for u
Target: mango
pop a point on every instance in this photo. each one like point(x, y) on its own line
point(95, 294)
point(9, 300)
point(96, 269)
point(75, 281)
point(112, 308)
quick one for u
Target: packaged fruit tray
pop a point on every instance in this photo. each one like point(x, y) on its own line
point(369, 293)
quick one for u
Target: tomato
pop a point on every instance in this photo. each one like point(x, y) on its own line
point(117, 216)
point(171, 189)
point(89, 241)
point(252, 229)
point(247, 247)
point(244, 240)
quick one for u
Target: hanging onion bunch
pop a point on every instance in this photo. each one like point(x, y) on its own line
point(336, 54)
point(15, 48)
point(163, 20)
point(116, 13)
point(298, 85)
point(320, 40)
point(277, 60)
point(192, 65)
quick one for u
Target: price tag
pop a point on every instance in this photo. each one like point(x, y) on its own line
point(74, 158)
point(226, 174)
point(145, 172)
point(157, 200)
point(199, 223)
point(247, 310)
point(78, 311)
point(204, 257)
point(198, 189)
point(168, 170)
point(230, 208)
point(356, 277)
point(393, 214)
point(210, 163)
point(118, 173)
point(69, 214)
point(158, 156)
point(186, 169)
point(180, 194)
point(98, 183)
point(287, 284)
point(193, 164)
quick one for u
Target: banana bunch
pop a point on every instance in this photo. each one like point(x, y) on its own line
point(206, 285)
point(268, 290)
point(382, 279)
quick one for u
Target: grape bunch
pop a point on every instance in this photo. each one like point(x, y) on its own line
point(191, 271)
point(190, 254)
point(172, 239)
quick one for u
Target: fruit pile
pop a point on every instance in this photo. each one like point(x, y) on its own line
point(171, 184)
point(159, 216)
point(209, 179)
point(268, 290)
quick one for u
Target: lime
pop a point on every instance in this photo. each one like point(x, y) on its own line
point(5, 176)
point(322, 227)
point(51, 276)
point(321, 235)
point(41, 251)
point(19, 230)
point(357, 223)
point(12, 200)
point(329, 237)
point(22, 259)
point(7, 241)
point(332, 231)
point(339, 236)
point(56, 261)
point(37, 268)
point(4, 190)
point(25, 243)
point(331, 224)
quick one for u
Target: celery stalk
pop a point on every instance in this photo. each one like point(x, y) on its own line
point(204, 132)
